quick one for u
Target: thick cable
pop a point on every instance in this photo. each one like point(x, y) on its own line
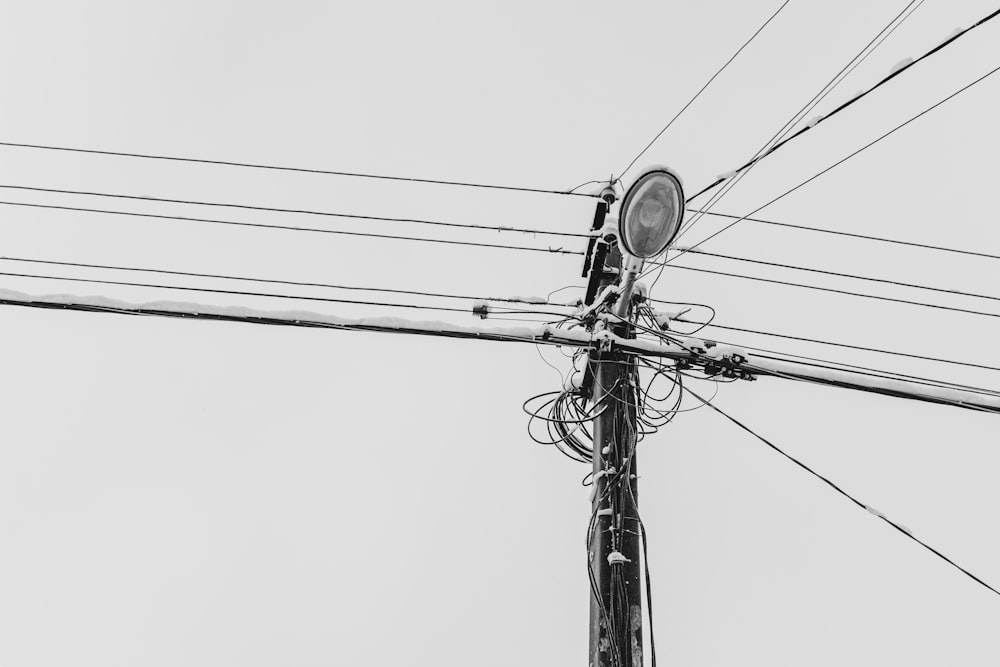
point(861, 348)
point(872, 373)
point(844, 159)
point(275, 281)
point(892, 75)
point(866, 370)
point(682, 340)
point(210, 290)
point(899, 528)
point(733, 178)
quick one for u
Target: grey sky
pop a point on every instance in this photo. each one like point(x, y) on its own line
point(203, 493)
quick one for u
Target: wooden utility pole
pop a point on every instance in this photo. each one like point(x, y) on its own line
point(613, 537)
point(614, 552)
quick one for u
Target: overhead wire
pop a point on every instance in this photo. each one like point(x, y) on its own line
point(861, 348)
point(515, 336)
point(292, 228)
point(870, 372)
point(837, 232)
point(399, 220)
point(968, 401)
point(898, 527)
point(831, 290)
point(733, 178)
point(225, 317)
point(275, 281)
point(866, 370)
point(702, 89)
point(785, 129)
point(843, 160)
point(896, 72)
point(303, 170)
point(211, 290)
point(747, 368)
point(297, 211)
point(885, 281)
point(688, 343)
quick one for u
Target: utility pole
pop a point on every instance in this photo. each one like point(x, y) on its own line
point(649, 218)
point(614, 550)
point(614, 553)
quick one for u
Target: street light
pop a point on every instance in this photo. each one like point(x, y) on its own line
point(651, 213)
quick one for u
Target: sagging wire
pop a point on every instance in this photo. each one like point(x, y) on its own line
point(653, 388)
point(653, 393)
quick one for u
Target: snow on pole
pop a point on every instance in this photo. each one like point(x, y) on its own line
point(545, 333)
point(748, 365)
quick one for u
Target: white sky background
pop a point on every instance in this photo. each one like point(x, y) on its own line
point(176, 492)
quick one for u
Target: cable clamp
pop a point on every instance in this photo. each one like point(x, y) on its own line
point(481, 309)
point(727, 361)
point(617, 558)
point(604, 340)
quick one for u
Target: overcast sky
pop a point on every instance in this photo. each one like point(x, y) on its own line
point(201, 493)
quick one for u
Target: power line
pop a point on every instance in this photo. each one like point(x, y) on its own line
point(274, 281)
point(698, 94)
point(845, 159)
point(269, 209)
point(250, 165)
point(256, 294)
point(733, 178)
point(978, 400)
point(544, 337)
point(785, 129)
point(867, 370)
point(678, 337)
point(831, 290)
point(736, 363)
point(841, 345)
point(901, 529)
point(862, 370)
point(260, 225)
point(844, 275)
point(849, 234)
point(896, 72)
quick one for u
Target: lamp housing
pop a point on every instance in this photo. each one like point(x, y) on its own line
point(651, 213)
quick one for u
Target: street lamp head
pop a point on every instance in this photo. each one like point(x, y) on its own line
point(651, 213)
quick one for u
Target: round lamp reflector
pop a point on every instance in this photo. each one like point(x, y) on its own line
point(651, 214)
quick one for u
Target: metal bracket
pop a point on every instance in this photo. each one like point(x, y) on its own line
point(729, 366)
